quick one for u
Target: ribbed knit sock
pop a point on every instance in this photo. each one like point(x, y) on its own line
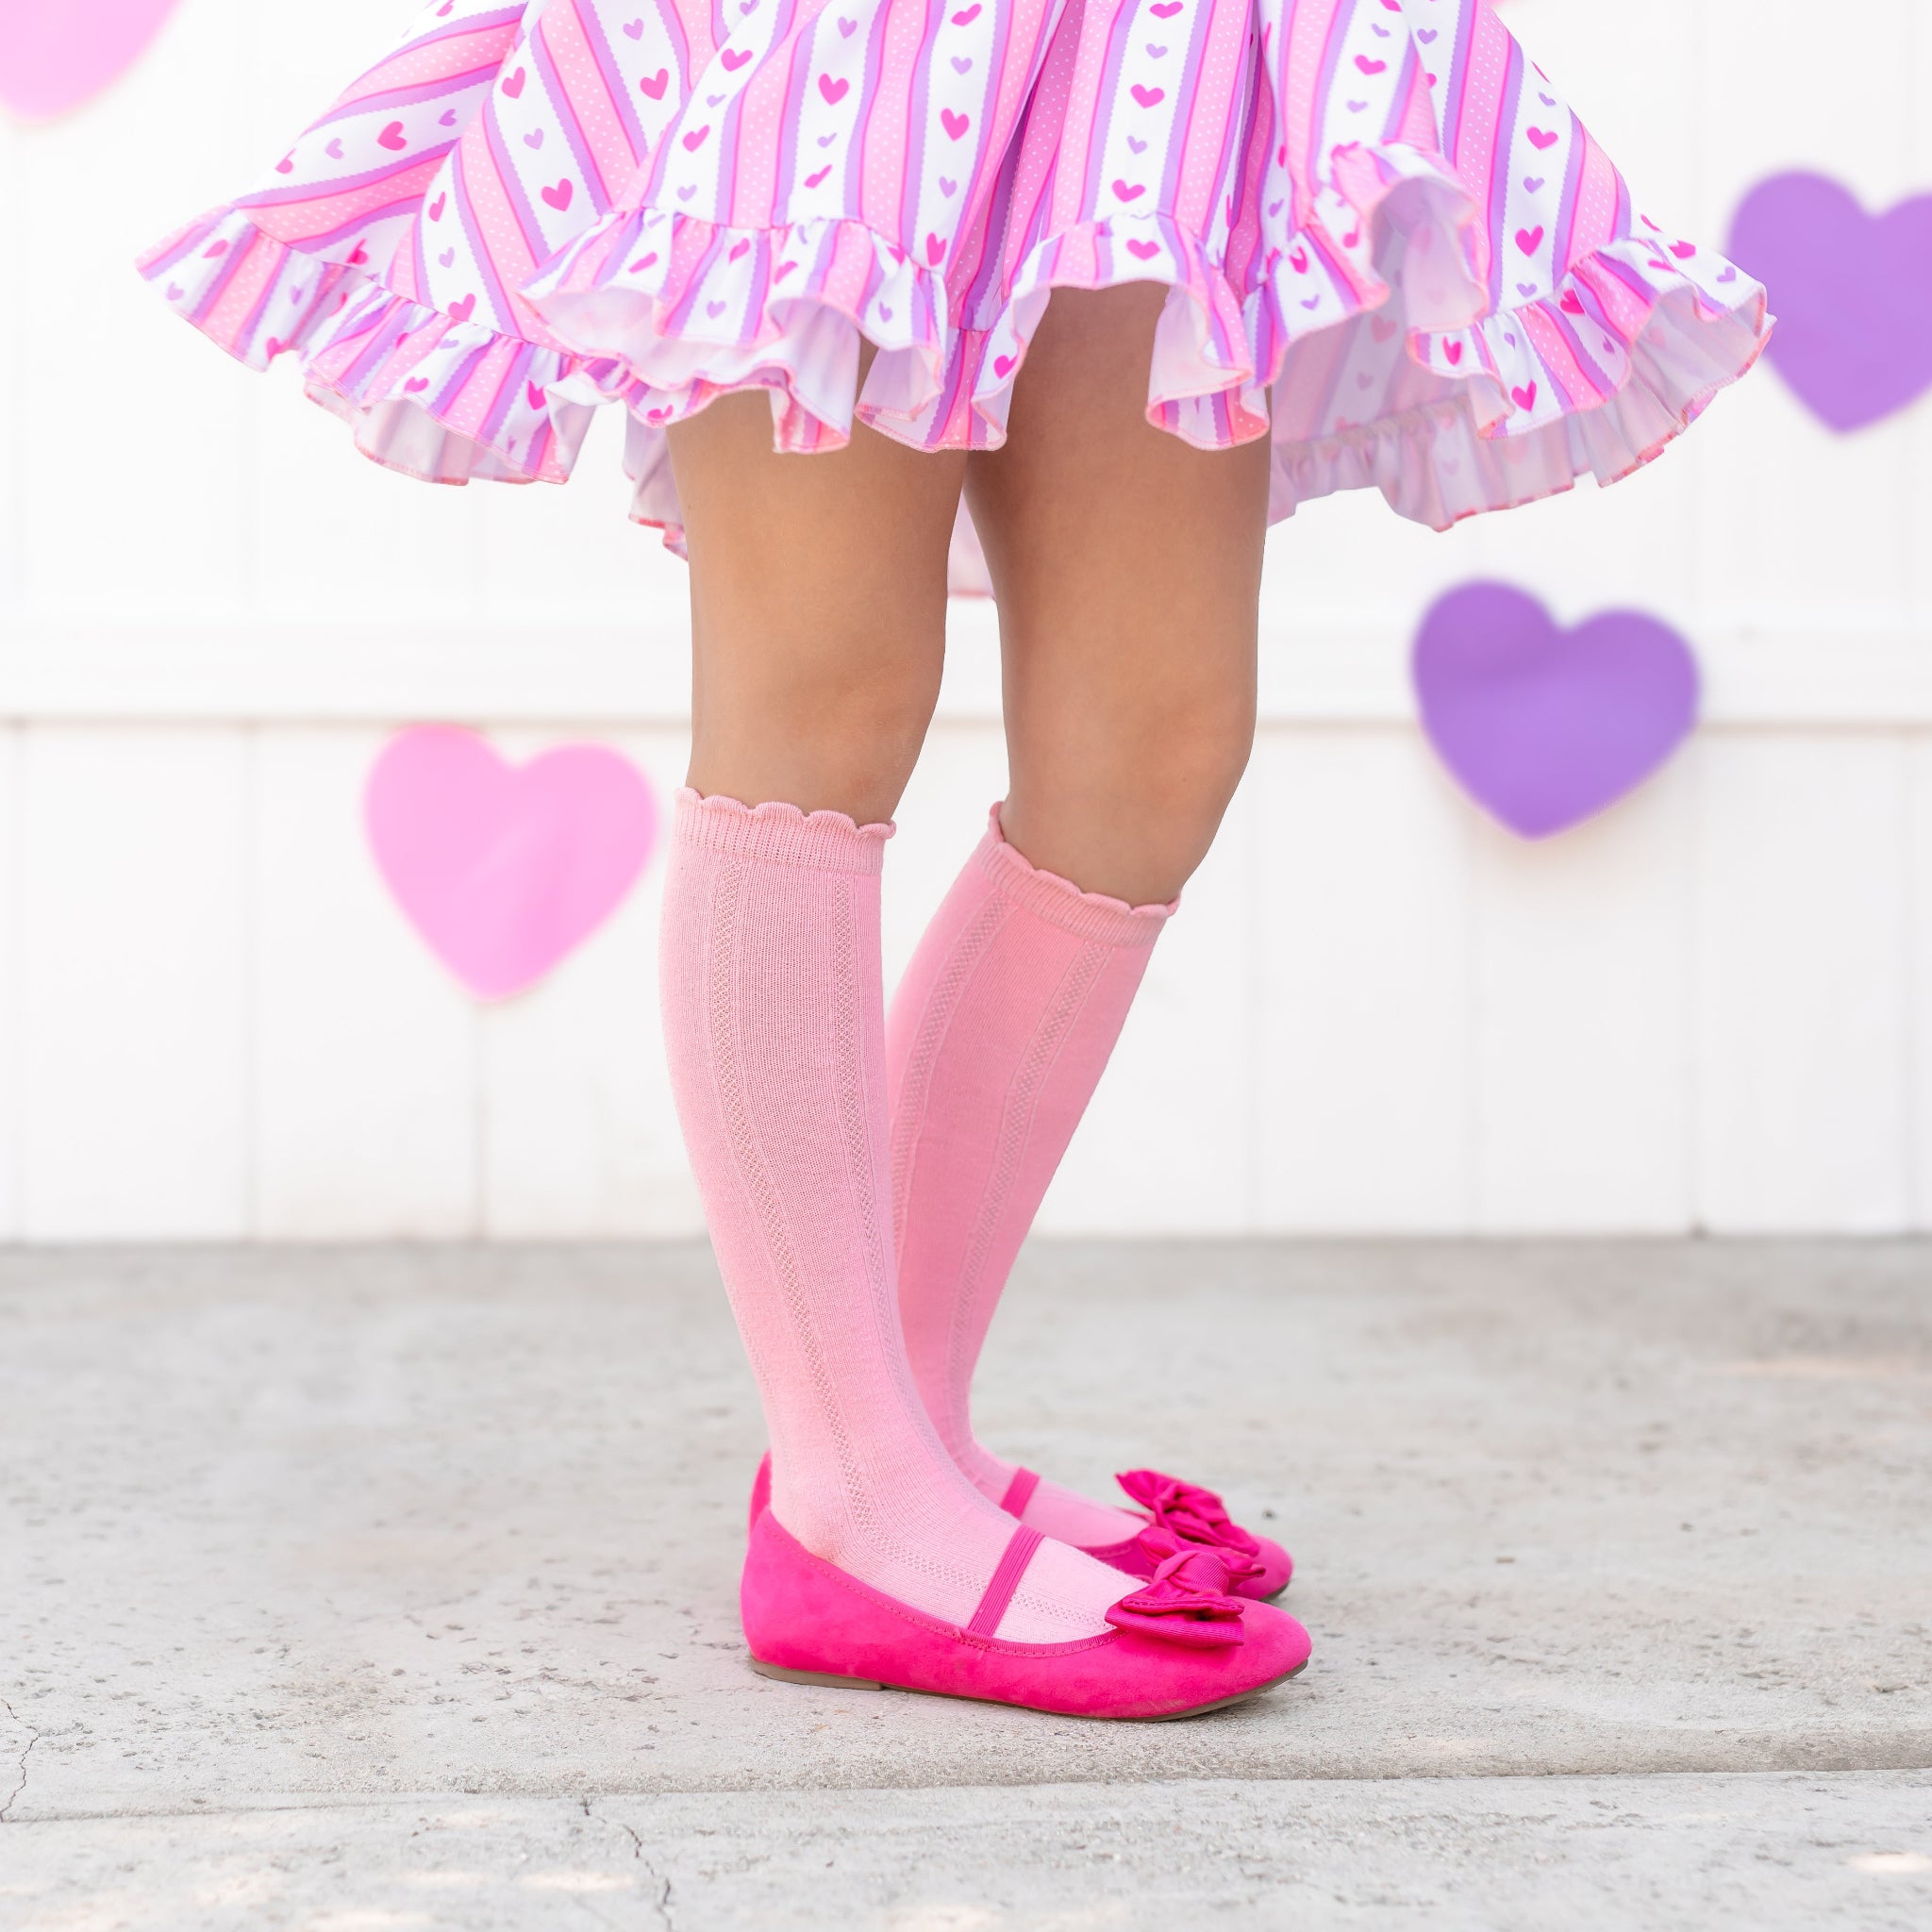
point(997, 1037)
point(775, 1024)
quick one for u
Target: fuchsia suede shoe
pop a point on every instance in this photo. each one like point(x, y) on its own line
point(1257, 1566)
point(1179, 1645)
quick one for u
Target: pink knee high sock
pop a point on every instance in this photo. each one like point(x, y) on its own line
point(774, 1024)
point(997, 1037)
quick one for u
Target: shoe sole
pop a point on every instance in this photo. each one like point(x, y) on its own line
point(780, 1674)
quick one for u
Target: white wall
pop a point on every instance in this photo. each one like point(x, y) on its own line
point(1712, 1008)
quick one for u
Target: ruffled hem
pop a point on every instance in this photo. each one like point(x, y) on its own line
point(431, 393)
point(1469, 405)
point(690, 310)
point(1495, 405)
point(1596, 375)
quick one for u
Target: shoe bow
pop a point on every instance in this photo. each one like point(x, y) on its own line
point(1192, 1515)
point(1186, 1600)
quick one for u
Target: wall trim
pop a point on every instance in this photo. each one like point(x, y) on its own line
point(299, 670)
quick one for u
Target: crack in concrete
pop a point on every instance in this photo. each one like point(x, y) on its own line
point(661, 1904)
point(33, 1737)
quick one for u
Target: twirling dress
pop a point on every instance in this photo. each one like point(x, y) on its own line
point(1390, 246)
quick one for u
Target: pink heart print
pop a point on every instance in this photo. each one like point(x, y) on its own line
point(505, 869)
point(55, 57)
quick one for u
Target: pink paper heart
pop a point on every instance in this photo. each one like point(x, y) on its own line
point(53, 58)
point(505, 869)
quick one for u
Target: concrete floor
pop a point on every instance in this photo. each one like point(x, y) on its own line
point(348, 1589)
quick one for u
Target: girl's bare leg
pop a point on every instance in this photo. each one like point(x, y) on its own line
point(818, 609)
point(818, 590)
point(1127, 566)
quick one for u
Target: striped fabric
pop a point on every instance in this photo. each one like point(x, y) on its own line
point(1391, 248)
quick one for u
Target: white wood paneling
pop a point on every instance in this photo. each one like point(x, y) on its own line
point(137, 428)
point(11, 1119)
point(135, 992)
point(1801, 998)
point(329, 530)
point(1919, 986)
point(1712, 1008)
point(15, 336)
point(1165, 1147)
point(1795, 518)
point(942, 816)
point(365, 1070)
point(1582, 1022)
point(552, 554)
point(1363, 1042)
point(578, 1127)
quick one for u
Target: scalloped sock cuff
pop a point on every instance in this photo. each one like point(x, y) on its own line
point(998, 1035)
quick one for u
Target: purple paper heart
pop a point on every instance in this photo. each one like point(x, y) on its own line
point(1543, 726)
point(1851, 292)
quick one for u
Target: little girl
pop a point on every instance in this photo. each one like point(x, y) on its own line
point(1088, 293)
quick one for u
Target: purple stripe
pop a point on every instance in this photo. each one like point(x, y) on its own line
point(506, 393)
point(418, 253)
point(324, 191)
point(732, 127)
point(1566, 207)
point(1325, 86)
point(409, 96)
point(1601, 378)
point(532, 229)
point(986, 227)
point(1186, 89)
point(447, 397)
point(500, 307)
point(1501, 160)
point(380, 348)
point(1251, 185)
point(592, 24)
point(1630, 279)
point(565, 111)
point(786, 177)
point(1398, 103)
point(477, 23)
point(680, 44)
point(919, 126)
point(357, 227)
point(271, 287)
point(1228, 177)
point(993, 232)
point(191, 240)
point(1453, 91)
point(1094, 163)
point(225, 274)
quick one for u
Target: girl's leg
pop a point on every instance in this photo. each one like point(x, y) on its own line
point(817, 596)
point(1127, 566)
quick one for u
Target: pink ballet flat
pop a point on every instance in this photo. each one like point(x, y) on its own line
point(1258, 1567)
point(1178, 1646)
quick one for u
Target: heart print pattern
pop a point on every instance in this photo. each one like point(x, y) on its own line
point(1392, 248)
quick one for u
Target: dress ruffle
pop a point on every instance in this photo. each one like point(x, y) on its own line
point(1349, 300)
point(438, 396)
